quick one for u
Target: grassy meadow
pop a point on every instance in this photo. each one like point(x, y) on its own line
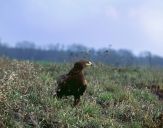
point(115, 97)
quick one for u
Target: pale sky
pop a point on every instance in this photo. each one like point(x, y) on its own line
point(136, 25)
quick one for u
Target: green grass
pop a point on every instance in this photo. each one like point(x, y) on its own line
point(114, 98)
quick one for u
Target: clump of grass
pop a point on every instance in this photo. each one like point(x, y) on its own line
point(105, 96)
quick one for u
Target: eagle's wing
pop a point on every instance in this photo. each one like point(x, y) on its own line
point(62, 79)
point(61, 82)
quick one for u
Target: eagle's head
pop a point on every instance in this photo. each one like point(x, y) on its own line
point(82, 64)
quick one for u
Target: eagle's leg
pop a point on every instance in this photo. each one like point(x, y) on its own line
point(76, 100)
point(59, 94)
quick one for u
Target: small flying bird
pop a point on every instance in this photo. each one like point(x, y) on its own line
point(73, 83)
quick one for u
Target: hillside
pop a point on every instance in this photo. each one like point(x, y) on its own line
point(115, 97)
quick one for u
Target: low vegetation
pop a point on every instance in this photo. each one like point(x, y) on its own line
point(115, 97)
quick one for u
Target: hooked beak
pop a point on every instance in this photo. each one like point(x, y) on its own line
point(89, 64)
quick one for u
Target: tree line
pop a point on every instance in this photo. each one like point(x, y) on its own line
point(26, 50)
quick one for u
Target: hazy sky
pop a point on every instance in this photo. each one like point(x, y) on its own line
point(133, 24)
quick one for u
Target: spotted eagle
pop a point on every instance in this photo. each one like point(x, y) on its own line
point(73, 83)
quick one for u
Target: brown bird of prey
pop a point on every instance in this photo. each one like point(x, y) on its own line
point(74, 82)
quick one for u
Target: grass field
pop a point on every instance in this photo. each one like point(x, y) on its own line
point(115, 97)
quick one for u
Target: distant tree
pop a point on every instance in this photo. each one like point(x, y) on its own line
point(126, 57)
point(3, 44)
point(147, 57)
point(25, 45)
point(77, 48)
point(54, 47)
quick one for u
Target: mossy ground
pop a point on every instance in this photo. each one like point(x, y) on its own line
point(114, 98)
